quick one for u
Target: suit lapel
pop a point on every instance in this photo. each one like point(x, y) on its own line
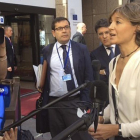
point(104, 54)
point(75, 55)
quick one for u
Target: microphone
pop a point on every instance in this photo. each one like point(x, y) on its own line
point(4, 91)
point(98, 96)
point(99, 92)
point(4, 102)
point(96, 65)
point(33, 113)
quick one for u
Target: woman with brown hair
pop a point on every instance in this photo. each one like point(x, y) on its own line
point(123, 111)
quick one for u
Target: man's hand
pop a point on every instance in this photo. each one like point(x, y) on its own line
point(11, 135)
point(104, 131)
point(102, 72)
point(9, 68)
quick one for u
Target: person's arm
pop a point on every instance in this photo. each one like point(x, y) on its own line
point(43, 76)
point(77, 39)
point(88, 73)
point(132, 129)
point(3, 57)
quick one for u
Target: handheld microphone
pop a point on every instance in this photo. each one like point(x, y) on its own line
point(96, 65)
point(99, 96)
point(4, 91)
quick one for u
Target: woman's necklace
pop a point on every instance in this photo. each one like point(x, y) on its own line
point(128, 54)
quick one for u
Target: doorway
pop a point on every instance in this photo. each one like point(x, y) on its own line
point(23, 45)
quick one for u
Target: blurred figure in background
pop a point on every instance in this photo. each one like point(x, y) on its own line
point(3, 57)
point(79, 35)
point(11, 57)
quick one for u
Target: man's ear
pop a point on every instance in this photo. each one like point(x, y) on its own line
point(53, 33)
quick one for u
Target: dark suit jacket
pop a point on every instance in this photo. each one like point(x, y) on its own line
point(101, 55)
point(78, 37)
point(82, 68)
point(11, 57)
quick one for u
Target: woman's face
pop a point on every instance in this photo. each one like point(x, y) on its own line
point(121, 30)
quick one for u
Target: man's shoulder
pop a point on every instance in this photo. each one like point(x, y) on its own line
point(48, 47)
point(73, 43)
point(77, 34)
point(98, 49)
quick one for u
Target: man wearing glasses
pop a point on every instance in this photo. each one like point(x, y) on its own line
point(106, 51)
point(68, 66)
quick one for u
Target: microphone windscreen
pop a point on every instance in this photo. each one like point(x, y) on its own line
point(99, 91)
point(96, 65)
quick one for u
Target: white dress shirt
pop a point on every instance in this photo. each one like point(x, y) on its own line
point(58, 87)
point(127, 97)
point(113, 49)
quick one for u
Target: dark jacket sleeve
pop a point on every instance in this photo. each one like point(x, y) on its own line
point(77, 38)
point(88, 74)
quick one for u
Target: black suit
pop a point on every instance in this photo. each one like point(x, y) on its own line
point(78, 37)
point(101, 55)
point(11, 58)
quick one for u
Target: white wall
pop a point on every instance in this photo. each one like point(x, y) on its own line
point(38, 3)
point(74, 8)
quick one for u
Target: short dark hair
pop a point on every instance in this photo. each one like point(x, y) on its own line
point(58, 19)
point(101, 23)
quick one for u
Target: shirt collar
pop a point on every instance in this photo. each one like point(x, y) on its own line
point(59, 45)
point(113, 46)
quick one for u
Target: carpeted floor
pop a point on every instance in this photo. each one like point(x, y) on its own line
point(28, 103)
point(25, 91)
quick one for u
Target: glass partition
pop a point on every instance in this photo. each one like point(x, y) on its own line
point(45, 32)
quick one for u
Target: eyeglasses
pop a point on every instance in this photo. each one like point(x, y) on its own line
point(61, 28)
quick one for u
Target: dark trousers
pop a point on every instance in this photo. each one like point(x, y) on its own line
point(60, 119)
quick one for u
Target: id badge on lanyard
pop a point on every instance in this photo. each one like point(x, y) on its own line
point(65, 77)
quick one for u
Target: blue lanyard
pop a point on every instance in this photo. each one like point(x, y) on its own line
point(65, 62)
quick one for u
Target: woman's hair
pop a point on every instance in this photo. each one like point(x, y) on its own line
point(131, 12)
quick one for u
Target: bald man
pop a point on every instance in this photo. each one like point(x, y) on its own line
point(78, 36)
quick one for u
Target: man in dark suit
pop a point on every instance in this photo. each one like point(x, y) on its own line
point(68, 66)
point(79, 35)
point(106, 51)
point(11, 57)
